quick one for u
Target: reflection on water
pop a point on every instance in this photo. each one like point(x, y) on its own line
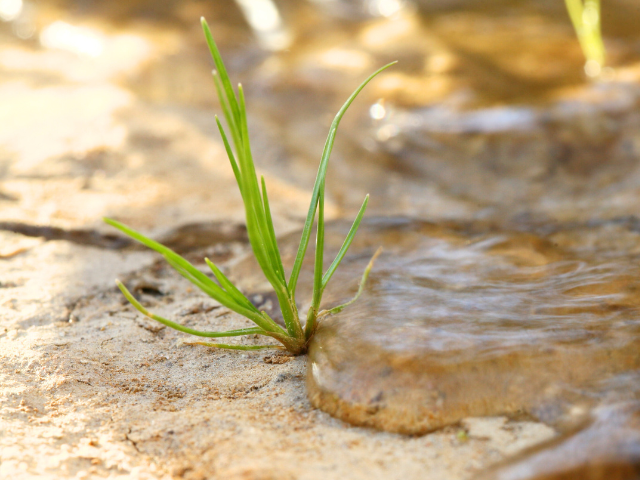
point(10, 9)
point(266, 22)
point(63, 36)
point(358, 9)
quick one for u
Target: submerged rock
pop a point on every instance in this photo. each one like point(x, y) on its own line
point(469, 320)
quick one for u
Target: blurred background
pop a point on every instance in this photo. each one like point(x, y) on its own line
point(492, 112)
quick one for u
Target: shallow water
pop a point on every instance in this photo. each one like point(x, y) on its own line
point(464, 320)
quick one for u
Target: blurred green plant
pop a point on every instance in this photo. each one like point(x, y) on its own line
point(585, 16)
point(262, 237)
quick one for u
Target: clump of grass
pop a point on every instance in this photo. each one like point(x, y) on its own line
point(294, 337)
point(585, 16)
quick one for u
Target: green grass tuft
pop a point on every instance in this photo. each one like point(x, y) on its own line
point(261, 235)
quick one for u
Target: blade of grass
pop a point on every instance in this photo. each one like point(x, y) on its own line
point(322, 170)
point(231, 289)
point(174, 259)
point(320, 282)
point(363, 282)
point(222, 71)
point(585, 16)
point(250, 311)
point(234, 347)
point(318, 266)
point(226, 110)
point(199, 279)
point(169, 254)
point(256, 222)
point(266, 252)
point(232, 159)
point(271, 230)
point(248, 185)
point(312, 314)
point(345, 246)
point(230, 333)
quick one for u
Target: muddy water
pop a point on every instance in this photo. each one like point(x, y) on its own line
point(526, 304)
